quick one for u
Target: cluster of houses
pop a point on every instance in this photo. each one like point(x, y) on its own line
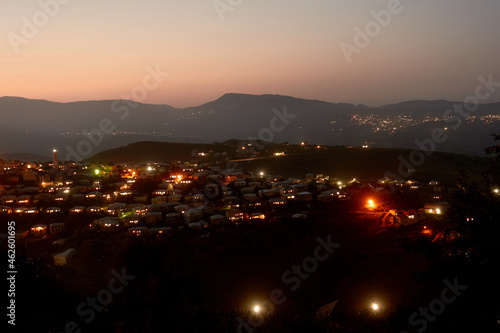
point(188, 195)
point(185, 195)
point(397, 218)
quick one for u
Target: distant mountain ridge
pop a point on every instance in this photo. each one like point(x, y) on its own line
point(37, 126)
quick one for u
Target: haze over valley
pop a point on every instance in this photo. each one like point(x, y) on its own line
point(37, 126)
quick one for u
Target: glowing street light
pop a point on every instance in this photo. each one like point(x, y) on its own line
point(375, 307)
point(371, 204)
point(256, 309)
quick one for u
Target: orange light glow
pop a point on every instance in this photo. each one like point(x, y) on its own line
point(371, 204)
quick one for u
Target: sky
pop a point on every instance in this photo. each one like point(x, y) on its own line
point(89, 49)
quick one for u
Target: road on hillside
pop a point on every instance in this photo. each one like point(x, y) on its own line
point(269, 157)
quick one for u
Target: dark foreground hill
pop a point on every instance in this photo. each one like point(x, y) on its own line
point(334, 161)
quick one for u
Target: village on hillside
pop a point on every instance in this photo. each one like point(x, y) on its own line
point(53, 202)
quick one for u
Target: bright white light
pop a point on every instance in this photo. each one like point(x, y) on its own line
point(375, 306)
point(256, 309)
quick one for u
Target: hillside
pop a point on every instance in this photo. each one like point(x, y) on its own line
point(369, 163)
point(335, 161)
point(148, 151)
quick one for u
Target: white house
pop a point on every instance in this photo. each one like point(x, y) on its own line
point(172, 218)
point(62, 258)
point(217, 219)
point(193, 214)
point(132, 219)
point(305, 196)
point(235, 215)
point(277, 201)
point(137, 231)
point(153, 217)
point(39, 230)
point(52, 210)
point(240, 182)
point(175, 198)
point(56, 228)
point(93, 209)
point(115, 208)
point(77, 210)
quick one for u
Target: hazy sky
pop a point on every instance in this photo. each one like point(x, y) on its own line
point(93, 49)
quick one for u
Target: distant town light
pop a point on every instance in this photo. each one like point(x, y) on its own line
point(256, 309)
point(97, 171)
point(496, 191)
point(375, 307)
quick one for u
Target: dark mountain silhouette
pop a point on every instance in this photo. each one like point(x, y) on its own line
point(37, 126)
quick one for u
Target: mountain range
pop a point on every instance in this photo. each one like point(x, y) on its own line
point(37, 126)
